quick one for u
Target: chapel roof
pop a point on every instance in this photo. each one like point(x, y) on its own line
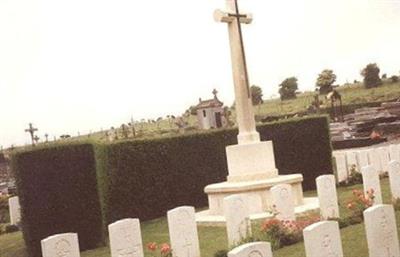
point(210, 103)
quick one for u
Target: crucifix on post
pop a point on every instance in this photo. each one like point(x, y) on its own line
point(31, 131)
point(243, 104)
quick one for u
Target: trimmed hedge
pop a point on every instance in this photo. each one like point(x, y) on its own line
point(58, 194)
point(146, 178)
point(81, 187)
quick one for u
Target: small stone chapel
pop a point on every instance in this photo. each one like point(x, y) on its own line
point(210, 113)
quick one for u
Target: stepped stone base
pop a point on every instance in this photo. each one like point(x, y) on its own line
point(204, 218)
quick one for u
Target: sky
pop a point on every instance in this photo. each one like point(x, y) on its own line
point(82, 65)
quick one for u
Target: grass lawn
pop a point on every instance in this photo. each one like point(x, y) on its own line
point(213, 239)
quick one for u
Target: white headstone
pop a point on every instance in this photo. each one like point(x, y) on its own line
point(384, 156)
point(257, 249)
point(327, 196)
point(283, 201)
point(362, 158)
point(394, 152)
point(183, 232)
point(126, 238)
point(351, 158)
point(341, 167)
point(237, 218)
point(394, 178)
point(322, 239)
point(371, 181)
point(374, 159)
point(61, 245)
point(380, 226)
point(15, 210)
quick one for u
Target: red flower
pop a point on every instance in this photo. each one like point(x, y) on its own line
point(165, 248)
point(152, 246)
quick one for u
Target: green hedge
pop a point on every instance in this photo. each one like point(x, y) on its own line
point(145, 178)
point(73, 188)
point(58, 193)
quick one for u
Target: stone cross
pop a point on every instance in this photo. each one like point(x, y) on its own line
point(322, 239)
point(61, 245)
point(31, 131)
point(183, 232)
point(243, 104)
point(380, 227)
point(256, 249)
point(126, 238)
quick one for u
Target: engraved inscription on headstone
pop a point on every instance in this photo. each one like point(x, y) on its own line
point(61, 245)
point(322, 239)
point(382, 237)
point(257, 249)
point(126, 238)
point(327, 196)
point(283, 202)
point(183, 232)
point(237, 218)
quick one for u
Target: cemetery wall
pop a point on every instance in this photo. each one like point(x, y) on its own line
point(58, 193)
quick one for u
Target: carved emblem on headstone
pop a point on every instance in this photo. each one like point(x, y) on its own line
point(62, 248)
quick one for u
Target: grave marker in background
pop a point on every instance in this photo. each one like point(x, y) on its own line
point(15, 210)
point(327, 196)
point(394, 178)
point(371, 181)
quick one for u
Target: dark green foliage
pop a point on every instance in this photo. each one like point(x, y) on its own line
point(288, 88)
point(11, 228)
point(325, 81)
point(156, 175)
point(256, 95)
point(394, 79)
point(4, 211)
point(58, 194)
point(371, 75)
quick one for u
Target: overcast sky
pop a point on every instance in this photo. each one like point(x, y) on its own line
point(82, 65)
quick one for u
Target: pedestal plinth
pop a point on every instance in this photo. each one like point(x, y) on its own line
point(249, 162)
point(252, 173)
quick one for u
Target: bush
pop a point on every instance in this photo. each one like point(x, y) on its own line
point(58, 194)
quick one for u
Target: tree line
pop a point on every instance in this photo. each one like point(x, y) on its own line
point(325, 83)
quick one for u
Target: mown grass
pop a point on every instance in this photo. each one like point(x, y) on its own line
point(214, 238)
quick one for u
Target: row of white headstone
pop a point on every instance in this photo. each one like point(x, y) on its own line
point(378, 157)
point(321, 239)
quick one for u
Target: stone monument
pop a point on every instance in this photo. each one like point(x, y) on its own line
point(251, 163)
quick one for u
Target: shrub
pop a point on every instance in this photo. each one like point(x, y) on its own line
point(355, 177)
point(58, 194)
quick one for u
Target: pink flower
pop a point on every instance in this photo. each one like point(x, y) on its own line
point(165, 248)
point(152, 246)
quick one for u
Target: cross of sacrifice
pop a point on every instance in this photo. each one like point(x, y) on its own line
point(243, 104)
point(31, 131)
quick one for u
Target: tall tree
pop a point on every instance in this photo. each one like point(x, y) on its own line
point(325, 81)
point(371, 75)
point(288, 87)
point(256, 95)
